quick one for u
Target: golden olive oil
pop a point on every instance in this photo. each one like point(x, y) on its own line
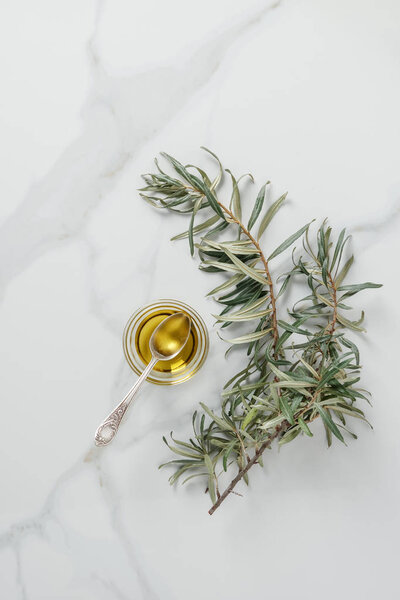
point(143, 335)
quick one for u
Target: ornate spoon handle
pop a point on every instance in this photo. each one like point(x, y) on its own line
point(109, 427)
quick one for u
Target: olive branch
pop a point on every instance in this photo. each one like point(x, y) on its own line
point(298, 370)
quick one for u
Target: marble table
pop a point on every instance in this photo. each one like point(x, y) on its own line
point(304, 93)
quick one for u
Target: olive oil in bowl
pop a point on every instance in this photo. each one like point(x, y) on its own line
point(137, 336)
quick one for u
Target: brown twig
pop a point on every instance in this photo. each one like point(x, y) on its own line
point(252, 462)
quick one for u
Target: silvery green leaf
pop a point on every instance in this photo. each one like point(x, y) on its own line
point(352, 346)
point(343, 272)
point(350, 290)
point(253, 305)
point(350, 324)
point(293, 328)
point(235, 200)
point(181, 452)
point(193, 476)
point(198, 228)
point(327, 419)
point(284, 285)
point(243, 388)
point(251, 415)
point(218, 178)
point(247, 316)
point(338, 247)
point(280, 374)
point(246, 269)
point(220, 265)
point(272, 422)
point(271, 212)
point(324, 300)
point(286, 410)
point(211, 489)
point(289, 435)
point(309, 368)
point(221, 422)
point(257, 206)
point(249, 337)
point(303, 425)
point(293, 384)
point(227, 284)
point(290, 240)
point(233, 247)
point(324, 271)
point(203, 174)
point(227, 452)
point(346, 411)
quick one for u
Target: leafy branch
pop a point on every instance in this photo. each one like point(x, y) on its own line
point(299, 369)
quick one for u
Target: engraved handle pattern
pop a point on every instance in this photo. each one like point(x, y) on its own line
point(109, 427)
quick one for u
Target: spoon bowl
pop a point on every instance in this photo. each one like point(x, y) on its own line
point(170, 337)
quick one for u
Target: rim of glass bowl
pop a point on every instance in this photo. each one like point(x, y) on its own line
point(157, 377)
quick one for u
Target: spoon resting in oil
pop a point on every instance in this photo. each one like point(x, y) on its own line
point(167, 340)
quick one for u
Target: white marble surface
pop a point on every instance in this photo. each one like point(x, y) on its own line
point(306, 93)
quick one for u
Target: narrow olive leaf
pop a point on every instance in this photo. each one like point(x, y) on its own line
point(293, 328)
point(243, 316)
point(221, 422)
point(227, 452)
point(352, 346)
point(328, 433)
point(211, 198)
point(350, 290)
point(245, 269)
point(327, 419)
point(253, 305)
point(303, 425)
point(272, 422)
point(286, 410)
point(203, 174)
point(310, 368)
point(346, 411)
point(324, 271)
point(234, 247)
point(228, 284)
point(235, 199)
point(219, 266)
point(271, 212)
point(289, 435)
point(257, 206)
point(219, 176)
point(201, 474)
point(251, 415)
point(290, 240)
point(208, 463)
point(211, 488)
point(197, 229)
point(284, 285)
point(179, 168)
point(350, 324)
point(249, 337)
point(300, 386)
point(338, 247)
point(343, 272)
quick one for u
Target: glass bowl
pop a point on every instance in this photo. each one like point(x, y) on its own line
point(139, 329)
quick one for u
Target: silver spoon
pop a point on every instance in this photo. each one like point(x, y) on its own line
point(166, 341)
